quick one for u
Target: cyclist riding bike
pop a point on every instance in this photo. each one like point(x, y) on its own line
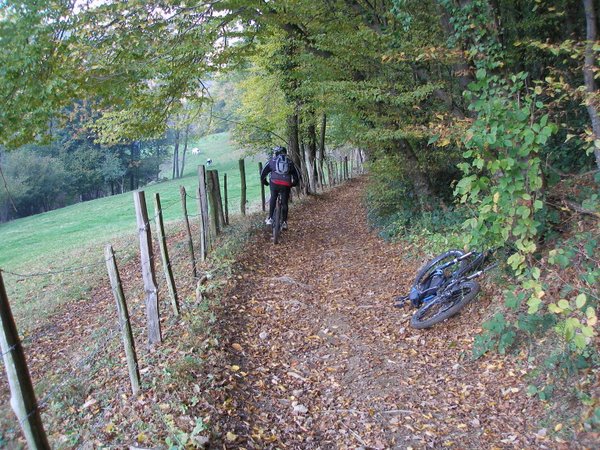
point(283, 176)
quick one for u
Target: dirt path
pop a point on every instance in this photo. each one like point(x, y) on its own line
point(325, 361)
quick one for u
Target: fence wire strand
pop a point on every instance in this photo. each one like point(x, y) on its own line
point(70, 376)
point(24, 276)
point(108, 338)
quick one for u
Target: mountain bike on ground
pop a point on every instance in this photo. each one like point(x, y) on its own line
point(445, 285)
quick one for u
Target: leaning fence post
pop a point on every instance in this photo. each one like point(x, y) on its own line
point(203, 208)
point(148, 273)
point(186, 219)
point(22, 395)
point(124, 324)
point(243, 187)
point(164, 252)
point(262, 187)
point(226, 199)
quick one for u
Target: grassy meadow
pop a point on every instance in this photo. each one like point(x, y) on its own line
point(46, 238)
point(74, 237)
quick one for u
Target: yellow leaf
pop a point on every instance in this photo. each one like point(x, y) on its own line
point(235, 368)
point(231, 436)
point(496, 197)
point(558, 427)
point(109, 428)
point(141, 437)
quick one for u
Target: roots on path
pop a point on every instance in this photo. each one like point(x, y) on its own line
point(323, 360)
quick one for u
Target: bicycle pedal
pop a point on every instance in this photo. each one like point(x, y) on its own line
point(400, 301)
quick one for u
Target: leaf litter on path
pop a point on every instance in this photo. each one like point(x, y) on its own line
point(332, 364)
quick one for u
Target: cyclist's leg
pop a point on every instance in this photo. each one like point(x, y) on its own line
point(272, 200)
point(285, 196)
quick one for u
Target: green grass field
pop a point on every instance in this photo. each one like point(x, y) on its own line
point(47, 240)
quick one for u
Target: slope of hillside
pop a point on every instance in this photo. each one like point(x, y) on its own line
point(32, 242)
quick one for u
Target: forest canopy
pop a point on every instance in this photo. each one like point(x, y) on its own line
point(473, 102)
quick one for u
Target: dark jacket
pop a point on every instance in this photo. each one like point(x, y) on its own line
point(290, 179)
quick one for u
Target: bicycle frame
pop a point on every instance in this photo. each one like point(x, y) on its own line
point(445, 283)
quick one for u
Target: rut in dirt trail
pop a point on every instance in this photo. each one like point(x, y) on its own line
point(327, 362)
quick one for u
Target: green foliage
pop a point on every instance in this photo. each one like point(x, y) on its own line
point(35, 75)
point(36, 183)
point(512, 132)
point(544, 393)
point(499, 334)
point(503, 175)
point(263, 110)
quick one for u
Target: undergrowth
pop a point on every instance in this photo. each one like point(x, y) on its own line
point(556, 342)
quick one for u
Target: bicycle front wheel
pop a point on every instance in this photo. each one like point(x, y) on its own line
point(444, 306)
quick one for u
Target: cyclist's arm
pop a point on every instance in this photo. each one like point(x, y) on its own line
point(266, 170)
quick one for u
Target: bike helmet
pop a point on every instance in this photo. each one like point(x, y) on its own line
point(279, 150)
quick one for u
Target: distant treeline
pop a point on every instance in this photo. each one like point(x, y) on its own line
point(72, 168)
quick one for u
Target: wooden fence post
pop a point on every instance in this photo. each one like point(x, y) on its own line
point(164, 252)
point(203, 208)
point(148, 273)
point(22, 395)
point(217, 186)
point(124, 324)
point(213, 203)
point(262, 187)
point(186, 220)
point(330, 173)
point(226, 199)
point(243, 187)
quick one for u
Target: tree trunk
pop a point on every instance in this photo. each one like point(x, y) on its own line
point(588, 73)
point(157, 161)
point(311, 155)
point(132, 166)
point(176, 156)
point(321, 151)
point(305, 185)
point(294, 145)
point(185, 146)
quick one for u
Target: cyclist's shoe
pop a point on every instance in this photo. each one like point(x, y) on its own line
point(269, 221)
point(284, 226)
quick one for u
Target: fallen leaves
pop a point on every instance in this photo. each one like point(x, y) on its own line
point(327, 361)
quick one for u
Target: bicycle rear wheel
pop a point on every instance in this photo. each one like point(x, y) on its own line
point(446, 305)
point(277, 220)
